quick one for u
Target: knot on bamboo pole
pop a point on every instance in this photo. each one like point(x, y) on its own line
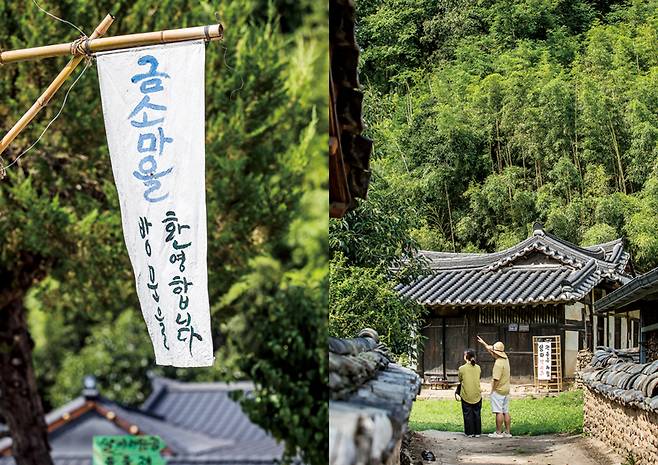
point(80, 47)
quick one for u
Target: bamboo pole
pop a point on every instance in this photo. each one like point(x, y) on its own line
point(48, 94)
point(92, 45)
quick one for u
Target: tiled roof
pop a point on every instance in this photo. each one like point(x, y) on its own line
point(542, 269)
point(349, 151)
point(371, 400)
point(207, 408)
point(612, 375)
point(199, 423)
point(56, 461)
point(643, 287)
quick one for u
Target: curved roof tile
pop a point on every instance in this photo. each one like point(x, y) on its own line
point(466, 279)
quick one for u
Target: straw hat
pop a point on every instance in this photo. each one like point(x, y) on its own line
point(499, 349)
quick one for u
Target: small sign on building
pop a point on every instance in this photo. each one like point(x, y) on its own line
point(128, 450)
point(547, 356)
point(544, 360)
point(513, 327)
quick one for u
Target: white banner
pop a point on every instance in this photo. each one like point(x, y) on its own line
point(153, 104)
point(544, 360)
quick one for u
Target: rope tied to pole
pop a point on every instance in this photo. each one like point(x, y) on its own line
point(80, 47)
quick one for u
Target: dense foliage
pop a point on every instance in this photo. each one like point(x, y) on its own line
point(281, 339)
point(373, 250)
point(362, 297)
point(62, 246)
point(490, 115)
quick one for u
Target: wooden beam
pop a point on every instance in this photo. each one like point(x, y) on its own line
point(93, 44)
point(646, 329)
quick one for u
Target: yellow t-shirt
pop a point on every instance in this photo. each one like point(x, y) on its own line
point(469, 376)
point(501, 373)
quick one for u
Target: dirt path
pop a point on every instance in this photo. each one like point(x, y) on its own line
point(455, 448)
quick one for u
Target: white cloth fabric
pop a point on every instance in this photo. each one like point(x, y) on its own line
point(153, 105)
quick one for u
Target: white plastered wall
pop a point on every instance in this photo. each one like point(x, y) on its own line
point(571, 312)
point(624, 332)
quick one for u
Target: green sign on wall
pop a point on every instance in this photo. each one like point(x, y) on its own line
point(128, 450)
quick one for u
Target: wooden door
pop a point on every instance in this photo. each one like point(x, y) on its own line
point(518, 346)
point(433, 347)
point(449, 334)
point(456, 337)
point(490, 333)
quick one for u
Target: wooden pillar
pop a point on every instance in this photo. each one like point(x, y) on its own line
point(443, 346)
point(642, 339)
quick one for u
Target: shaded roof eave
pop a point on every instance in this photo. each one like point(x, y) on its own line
point(474, 305)
point(631, 292)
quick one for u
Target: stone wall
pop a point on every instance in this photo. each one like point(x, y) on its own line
point(582, 360)
point(371, 399)
point(626, 429)
point(652, 346)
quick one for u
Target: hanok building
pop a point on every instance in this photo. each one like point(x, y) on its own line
point(542, 286)
point(199, 422)
point(636, 301)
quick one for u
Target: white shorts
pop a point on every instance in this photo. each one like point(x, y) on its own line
point(499, 403)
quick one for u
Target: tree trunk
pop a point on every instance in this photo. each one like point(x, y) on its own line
point(540, 182)
point(20, 403)
point(498, 151)
point(615, 145)
point(576, 159)
point(452, 233)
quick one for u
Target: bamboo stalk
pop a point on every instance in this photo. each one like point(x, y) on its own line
point(212, 32)
point(48, 94)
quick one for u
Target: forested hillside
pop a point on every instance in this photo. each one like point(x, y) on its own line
point(490, 115)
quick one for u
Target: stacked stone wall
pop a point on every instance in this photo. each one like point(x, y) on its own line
point(628, 430)
point(582, 360)
point(652, 346)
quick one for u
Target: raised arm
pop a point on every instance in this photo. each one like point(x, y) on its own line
point(486, 346)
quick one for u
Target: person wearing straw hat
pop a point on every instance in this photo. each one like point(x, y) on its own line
point(500, 389)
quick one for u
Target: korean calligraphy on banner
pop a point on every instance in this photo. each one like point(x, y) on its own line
point(544, 360)
point(153, 105)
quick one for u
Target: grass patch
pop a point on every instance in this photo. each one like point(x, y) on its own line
point(547, 415)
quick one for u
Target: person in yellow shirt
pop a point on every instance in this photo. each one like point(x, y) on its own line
point(500, 389)
point(471, 395)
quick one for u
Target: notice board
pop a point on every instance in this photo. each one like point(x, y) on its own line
point(547, 358)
